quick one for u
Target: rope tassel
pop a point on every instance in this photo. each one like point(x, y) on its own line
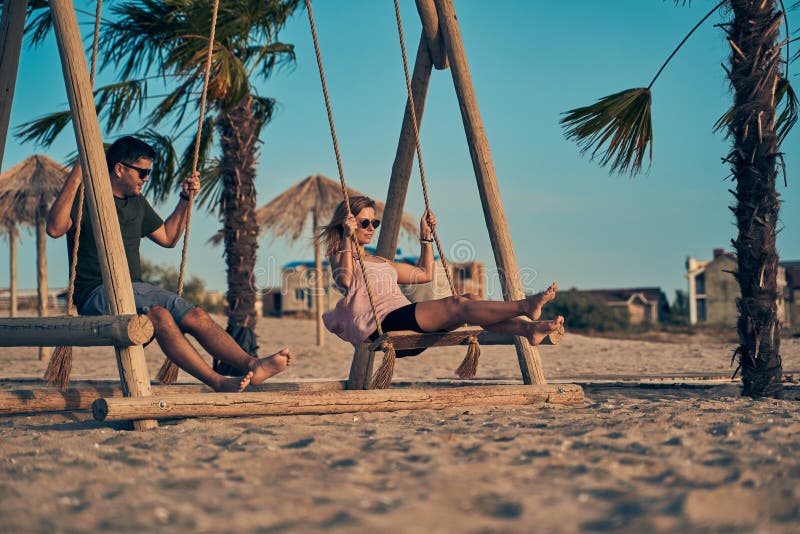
point(168, 373)
point(59, 368)
point(382, 378)
point(469, 367)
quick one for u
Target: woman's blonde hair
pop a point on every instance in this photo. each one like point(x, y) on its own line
point(330, 235)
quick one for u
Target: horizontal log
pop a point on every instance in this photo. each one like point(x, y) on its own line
point(93, 331)
point(329, 402)
point(47, 399)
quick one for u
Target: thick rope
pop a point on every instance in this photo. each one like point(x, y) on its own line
point(469, 366)
point(168, 373)
point(60, 366)
point(418, 145)
point(383, 377)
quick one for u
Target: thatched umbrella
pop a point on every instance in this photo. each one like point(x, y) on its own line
point(26, 192)
point(287, 215)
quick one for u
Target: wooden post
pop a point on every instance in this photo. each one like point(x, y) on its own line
point(319, 298)
point(330, 402)
point(12, 26)
point(12, 271)
point(529, 359)
point(99, 199)
point(430, 26)
point(41, 270)
point(361, 368)
point(404, 158)
point(93, 331)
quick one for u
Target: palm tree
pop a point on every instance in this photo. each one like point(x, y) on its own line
point(617, 129)
point(165, 41)
point(27, 190)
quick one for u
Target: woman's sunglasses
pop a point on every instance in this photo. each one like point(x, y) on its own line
point(143, 173)
point(366, 223)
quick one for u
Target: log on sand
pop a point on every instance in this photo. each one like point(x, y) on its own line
point(329, 402)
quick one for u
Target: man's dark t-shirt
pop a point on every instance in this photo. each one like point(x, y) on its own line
point(137, 219)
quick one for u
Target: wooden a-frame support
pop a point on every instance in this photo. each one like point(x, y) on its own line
point(116, 278)
point(441, 45)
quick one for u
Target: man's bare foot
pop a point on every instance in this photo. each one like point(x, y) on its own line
point(270, 366)
point(539, 330)
point(234, 384)
point(536, 302)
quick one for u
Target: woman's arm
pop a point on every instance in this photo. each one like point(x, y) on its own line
point(59, 220)
point(342, 260)
point(425, 268)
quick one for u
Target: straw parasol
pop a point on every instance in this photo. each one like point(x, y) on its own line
point(287, 215)
point(26, 192)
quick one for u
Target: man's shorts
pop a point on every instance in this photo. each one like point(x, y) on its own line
point(146, 296)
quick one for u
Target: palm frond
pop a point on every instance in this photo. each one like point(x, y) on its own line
point(165, 166)
point(617, 129)
point(787, 98)
point(39, 22)
point(44, 130)
point(263, 108)
point(118, 101)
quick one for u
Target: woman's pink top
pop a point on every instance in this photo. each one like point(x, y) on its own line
point(352, 318)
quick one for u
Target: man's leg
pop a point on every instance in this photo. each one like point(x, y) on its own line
point(179, 350)
point(223, 347)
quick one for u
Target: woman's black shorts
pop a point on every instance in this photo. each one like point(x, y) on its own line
point(401, 319)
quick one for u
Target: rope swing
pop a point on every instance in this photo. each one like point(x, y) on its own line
point(168, 373)
point(469, 365)
point(383, 376)
point(59, 367)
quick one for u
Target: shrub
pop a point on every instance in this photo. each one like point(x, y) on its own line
point(587, 313)
point(194, 287)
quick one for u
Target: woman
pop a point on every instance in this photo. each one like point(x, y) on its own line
point(353, 319)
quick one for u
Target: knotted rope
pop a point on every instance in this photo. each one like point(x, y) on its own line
point(469, 366)
point(168, 373)
point(383, 376)
point(59, 367)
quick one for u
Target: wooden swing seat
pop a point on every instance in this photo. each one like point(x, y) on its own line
point(408, 339)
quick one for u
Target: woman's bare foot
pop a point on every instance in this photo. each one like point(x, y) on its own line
point(234, 384)
point(539, 330)
point(270, 366)
point(536, 302)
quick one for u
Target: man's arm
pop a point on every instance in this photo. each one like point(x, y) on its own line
point(59, 220)
point(168, 234)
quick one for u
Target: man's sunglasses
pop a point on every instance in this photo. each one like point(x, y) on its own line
point(366, 223)
point(143, 173)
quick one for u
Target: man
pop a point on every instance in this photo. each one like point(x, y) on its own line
point(130, 162)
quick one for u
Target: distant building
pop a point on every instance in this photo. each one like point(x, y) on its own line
point(28, 299)
point(296, 294)
point(644, 304)
point(713, 290)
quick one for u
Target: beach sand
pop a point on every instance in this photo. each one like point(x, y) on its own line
point(628, 459)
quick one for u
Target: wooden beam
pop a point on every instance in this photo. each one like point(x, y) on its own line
point(430, 26)
point(99, 331)
point(381, 400)
point(12, 28)
point(12, 271)
point(404, 157)
point(361, 367)
point(80, 397)
point(41, 272)
point(408, 339)
point(529, 359)
point(99, 199)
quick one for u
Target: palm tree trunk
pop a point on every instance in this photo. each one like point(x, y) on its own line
point(12, 270)
point(755, 64)
point(41, 269)
point(239, 139)
point(319, 299)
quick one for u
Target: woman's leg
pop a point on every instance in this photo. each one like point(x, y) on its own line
point(448, 312)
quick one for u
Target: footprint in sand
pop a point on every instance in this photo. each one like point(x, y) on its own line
point(497, 506)
point(299, 444)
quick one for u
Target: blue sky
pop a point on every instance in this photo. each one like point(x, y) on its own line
point(531, 60)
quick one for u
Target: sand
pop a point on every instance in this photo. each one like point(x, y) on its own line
point(628, 459)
